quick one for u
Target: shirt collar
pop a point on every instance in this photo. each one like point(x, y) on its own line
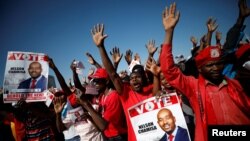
point(37, 79)
point(223, 83)
point(174, 132)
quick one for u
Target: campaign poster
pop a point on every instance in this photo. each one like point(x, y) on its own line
point(26, 76)
point(146, 121)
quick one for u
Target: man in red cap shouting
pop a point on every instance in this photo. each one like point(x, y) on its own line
point(216, 100)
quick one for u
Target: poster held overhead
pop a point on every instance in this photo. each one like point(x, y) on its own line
point(26, 75)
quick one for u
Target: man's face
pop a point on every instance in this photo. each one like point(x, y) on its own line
point(100, 84)
point(166, 120)
point(164, 82)
point(35, 70)
point(212, 71)
point(136, 81)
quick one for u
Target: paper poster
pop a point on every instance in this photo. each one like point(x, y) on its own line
point(148, 119)
point(26, 75)
point(77, 116)
point(79, 67)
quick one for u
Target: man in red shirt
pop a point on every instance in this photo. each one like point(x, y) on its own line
point(110, 106)
point(216, 100)
point(129, 94)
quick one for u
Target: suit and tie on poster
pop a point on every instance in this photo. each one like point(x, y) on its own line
point(159, 119)
point(26, 75)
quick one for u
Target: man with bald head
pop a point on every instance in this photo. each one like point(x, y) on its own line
point(166, 121)
point(36, 80)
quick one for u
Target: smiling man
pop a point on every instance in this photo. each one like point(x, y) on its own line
point(166, 121)
point(36, 80)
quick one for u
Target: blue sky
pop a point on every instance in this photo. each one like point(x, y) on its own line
point(61, 28)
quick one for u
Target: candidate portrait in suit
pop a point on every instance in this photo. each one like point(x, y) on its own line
point(36, 80)
point(166, 121)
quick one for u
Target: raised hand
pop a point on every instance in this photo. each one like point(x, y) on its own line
point(211, 24)
point(128, 56)
point(194, 41)
point(244, 10)
point(116, 56)
point(59, 103)
point(170, 17)
point(151, 47)
point(152, 67)
point(202, 43)
point(97, 34)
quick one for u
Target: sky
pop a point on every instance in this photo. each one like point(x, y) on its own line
point(61, 28)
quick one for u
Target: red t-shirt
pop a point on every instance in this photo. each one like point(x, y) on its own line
point(130, 98)
point(113, 113)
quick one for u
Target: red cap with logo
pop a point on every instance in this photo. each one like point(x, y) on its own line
point(210, 53)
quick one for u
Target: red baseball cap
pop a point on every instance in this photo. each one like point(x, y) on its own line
point(210, 53)
point(100, 73)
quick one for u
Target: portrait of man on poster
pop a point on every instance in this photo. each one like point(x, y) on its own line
point(36, 80)
point(166, 121)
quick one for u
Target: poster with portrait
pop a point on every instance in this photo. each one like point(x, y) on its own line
point(26, 76)
point(145, 117)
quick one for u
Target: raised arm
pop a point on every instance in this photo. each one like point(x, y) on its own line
point(92, 61)
point(59, 103)
point(171, 72)
point(98, 38)
point(194, 41)
point(235, 33)
point(116, 57)
point(202, 43)
point(218, 38)
point(211, 27)
point(170, 18)
point(151, 47)
point(244, 12)
point(59, 76)
point(155, 70)
point(76, 78)
point(128, 56)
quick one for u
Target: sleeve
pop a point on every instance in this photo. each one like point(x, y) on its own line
point(174, 76)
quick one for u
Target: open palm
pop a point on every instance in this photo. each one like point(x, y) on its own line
point(170, 17)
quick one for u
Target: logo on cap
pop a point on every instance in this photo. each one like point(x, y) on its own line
point(214, 53)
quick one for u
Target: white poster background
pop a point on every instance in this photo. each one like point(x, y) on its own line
point(143, 117)
point(16, 71)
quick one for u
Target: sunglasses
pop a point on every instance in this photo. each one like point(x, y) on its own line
point(99, 80)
